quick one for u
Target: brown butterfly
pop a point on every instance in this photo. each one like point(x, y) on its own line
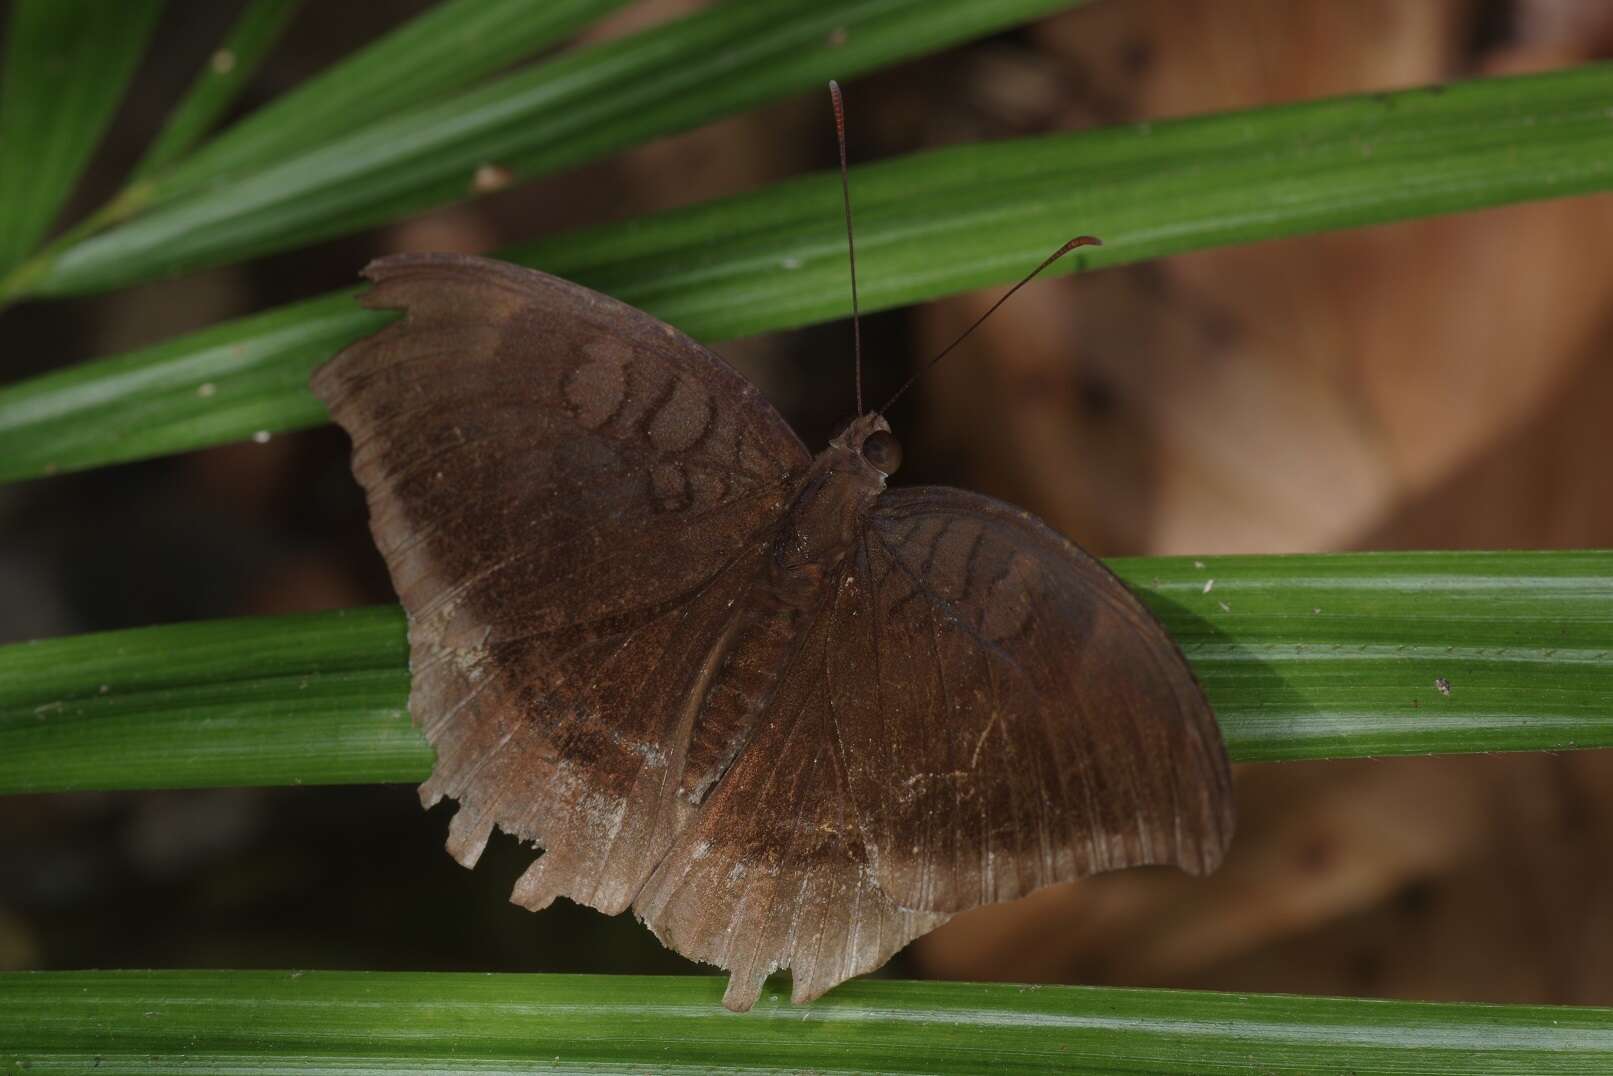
point(790, 717)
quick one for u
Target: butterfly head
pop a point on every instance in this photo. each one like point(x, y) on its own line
point(869, 438)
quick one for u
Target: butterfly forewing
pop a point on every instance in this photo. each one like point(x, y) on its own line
point(570, 496)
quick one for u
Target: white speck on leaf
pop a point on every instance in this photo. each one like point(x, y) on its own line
point(490, 177)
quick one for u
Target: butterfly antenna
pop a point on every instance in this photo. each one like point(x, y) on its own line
point(851, 245)
point(1078, 241)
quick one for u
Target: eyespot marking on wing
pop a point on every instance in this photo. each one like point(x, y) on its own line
point(681, 421)
point(1008, 603)
point(669, 482)
point(596, 387)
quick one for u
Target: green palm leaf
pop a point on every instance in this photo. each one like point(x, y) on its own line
point(66, 64)
point(1303, 657)
point(559, 113)
point(269, 1021)
point(928, 224)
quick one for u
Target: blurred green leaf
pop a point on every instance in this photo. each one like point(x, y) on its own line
point(257, 701)
point(574, 108)
point(928, 225)
point(448, 47)
point(377, 1022)
point(1311, 657)
point(1339, 655)
point(225, 383)
point(221, 81)
point(950, 220)
point(66, 64)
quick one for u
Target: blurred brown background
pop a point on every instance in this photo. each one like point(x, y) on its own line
point(1441, 384)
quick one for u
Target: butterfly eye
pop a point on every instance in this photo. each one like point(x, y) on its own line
point(883, 450)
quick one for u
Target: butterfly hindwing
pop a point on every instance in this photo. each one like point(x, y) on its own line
point(774, 873)
point(1011, 715)
point(977, 709)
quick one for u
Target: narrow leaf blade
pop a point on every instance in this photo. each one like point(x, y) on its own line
point(927, 225)
point(335, 1021)
point(66, 64)
point(559, 113)
point(256, 30)
point(449, 46)
point(1313, 657)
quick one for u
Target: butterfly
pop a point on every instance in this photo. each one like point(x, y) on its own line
point(792, 717)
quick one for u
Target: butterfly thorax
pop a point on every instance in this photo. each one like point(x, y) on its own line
point(825, 515)
point(802, 556)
